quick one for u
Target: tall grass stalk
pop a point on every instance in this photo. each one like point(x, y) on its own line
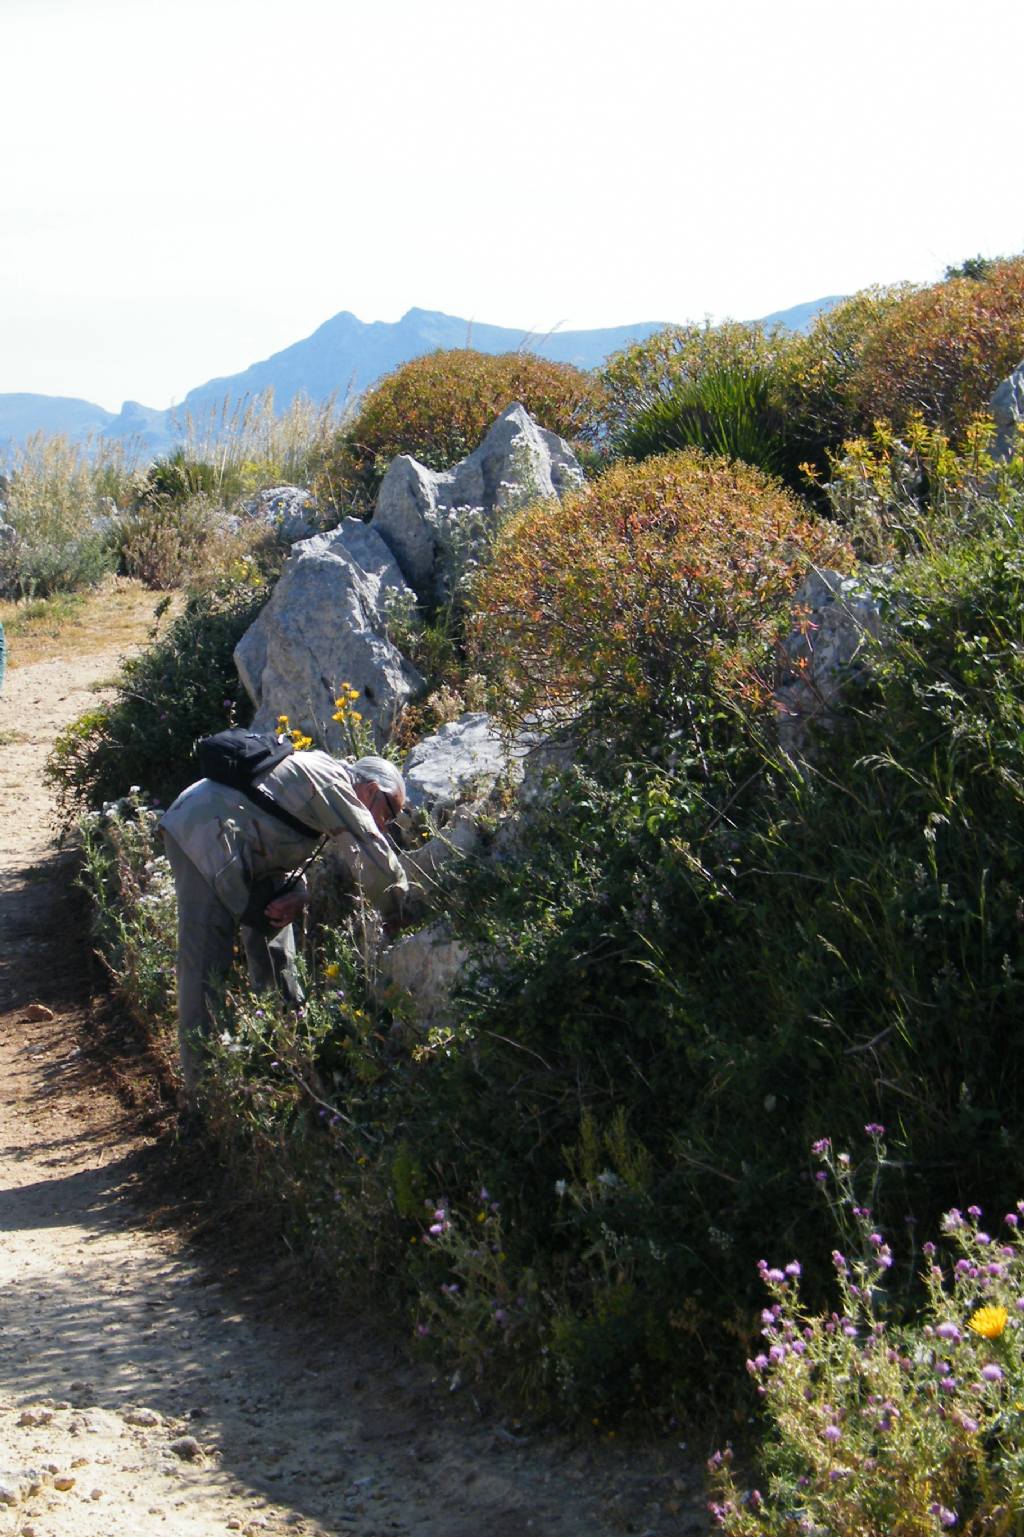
point(249, 445)
point(57, 496)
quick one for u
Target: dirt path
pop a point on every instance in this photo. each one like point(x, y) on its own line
point(143, 1390)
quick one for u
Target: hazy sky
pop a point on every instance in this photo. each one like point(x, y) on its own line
point(190, 185)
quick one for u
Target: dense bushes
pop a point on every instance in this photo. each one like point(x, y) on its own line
point(438, 408)
point(942, 351)
point(652, 585)
point(717, 388)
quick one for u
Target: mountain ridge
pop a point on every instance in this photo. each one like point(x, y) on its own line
point(341, 357)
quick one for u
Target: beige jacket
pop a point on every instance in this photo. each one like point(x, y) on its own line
point(232, 842)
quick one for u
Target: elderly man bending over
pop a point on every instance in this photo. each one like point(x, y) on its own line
point(222, 846)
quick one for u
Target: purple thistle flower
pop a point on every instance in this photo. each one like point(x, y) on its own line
point(983, 1238)
point(821, 1147)
point(774, 1275)
point(948, 1331)
point(821, 1176)
point(927, 1249)
point(874, 1130)
point(952, 1220)
point(968, 1424)
point(945, 1516)
point(794, 1269)
point(992, 1373)
point(838, 1260)
point(974, 1211)
point(1010, 1219)
point(831, 1433)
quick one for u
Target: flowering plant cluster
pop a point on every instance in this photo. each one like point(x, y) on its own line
point(352, 722)
point(299, 740)
point(888, 1429)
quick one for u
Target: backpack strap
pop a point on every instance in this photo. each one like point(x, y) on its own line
point(261, 797)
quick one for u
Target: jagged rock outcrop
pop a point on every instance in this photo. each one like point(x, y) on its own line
point(436, 521)
point(1007, 410)
point(323, 626)
point(836, 621)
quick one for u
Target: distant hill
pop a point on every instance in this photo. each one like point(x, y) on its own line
point(342, 357)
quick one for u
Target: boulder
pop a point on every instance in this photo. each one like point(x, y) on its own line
point(417, 975)
point(460, 764)
point(1007, 410)
point(435, 522)
point(324, 626)
point(290, 511)
point(836, 621)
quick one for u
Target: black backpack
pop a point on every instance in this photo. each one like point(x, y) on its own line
point(239, 757)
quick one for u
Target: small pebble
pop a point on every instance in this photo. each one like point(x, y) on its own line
point(38, 1013)
point(64, 1482)
point(187, 1448)
point(9, 1493)
point(35, 1417)
point(142, 1417)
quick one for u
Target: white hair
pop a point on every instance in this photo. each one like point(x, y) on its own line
point(378, 771)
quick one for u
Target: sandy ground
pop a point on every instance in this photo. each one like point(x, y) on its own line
point(146, 1388)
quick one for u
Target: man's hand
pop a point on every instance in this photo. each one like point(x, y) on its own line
point(285, 910)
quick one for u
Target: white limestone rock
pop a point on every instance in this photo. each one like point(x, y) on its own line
point(290, 511)
point(325, 625)
point(435, 521)
point(1007, 410)
point(417, 975)
point(836, 623)
point(460, 763)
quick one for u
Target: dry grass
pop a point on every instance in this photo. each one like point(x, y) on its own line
point(120, 612)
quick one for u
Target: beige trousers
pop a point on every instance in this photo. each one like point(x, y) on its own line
point(206, 941)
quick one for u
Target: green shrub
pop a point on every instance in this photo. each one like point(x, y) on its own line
point(653, 585)
point(728, 411)
point(943, 350)
point(439, 407)
point(183, 686)
point(645, 373)
point(178, 478)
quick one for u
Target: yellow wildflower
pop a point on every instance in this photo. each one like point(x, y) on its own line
point(332, 970)
point(354, 715)
point(989, 1322)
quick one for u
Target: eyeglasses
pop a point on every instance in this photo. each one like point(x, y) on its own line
point(393, 810)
